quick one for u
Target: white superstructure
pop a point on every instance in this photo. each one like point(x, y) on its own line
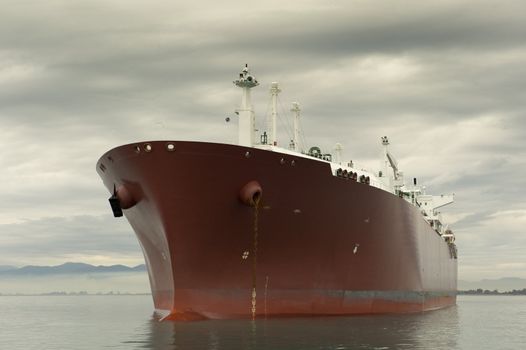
point(389, 178)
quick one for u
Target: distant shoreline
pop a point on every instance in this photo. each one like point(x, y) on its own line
point(67, 294)
point(491, 292)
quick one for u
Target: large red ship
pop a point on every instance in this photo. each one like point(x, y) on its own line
point(255, 230)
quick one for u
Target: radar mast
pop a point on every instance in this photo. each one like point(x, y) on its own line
point(246, 127)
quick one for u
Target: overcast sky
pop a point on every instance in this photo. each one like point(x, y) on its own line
point(445, 80)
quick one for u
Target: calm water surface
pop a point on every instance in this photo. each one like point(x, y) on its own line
point(125, 322)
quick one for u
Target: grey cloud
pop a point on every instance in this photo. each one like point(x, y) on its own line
point(445, 81)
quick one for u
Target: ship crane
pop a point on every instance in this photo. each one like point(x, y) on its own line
point(390, 158)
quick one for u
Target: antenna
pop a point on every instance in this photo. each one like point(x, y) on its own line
point(338, 148)
point(296, 139)
point(274, 91)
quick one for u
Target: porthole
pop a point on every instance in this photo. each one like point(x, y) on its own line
point(147, 147)
point(170, 147)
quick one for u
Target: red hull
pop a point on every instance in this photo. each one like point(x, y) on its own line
point(326, 245)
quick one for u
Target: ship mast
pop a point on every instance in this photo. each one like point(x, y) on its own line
point(246, 127)
point(296, 138)
point(338, 148)
point(274, 91)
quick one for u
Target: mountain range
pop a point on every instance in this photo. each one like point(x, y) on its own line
point(67, 268)
point(80, 269)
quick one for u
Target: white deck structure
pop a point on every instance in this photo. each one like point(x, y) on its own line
point(389, 178)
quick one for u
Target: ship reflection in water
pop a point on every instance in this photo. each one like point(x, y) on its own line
point(437, 329)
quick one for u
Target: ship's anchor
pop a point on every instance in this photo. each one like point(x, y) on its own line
point(122, 198)
point(115, 203)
